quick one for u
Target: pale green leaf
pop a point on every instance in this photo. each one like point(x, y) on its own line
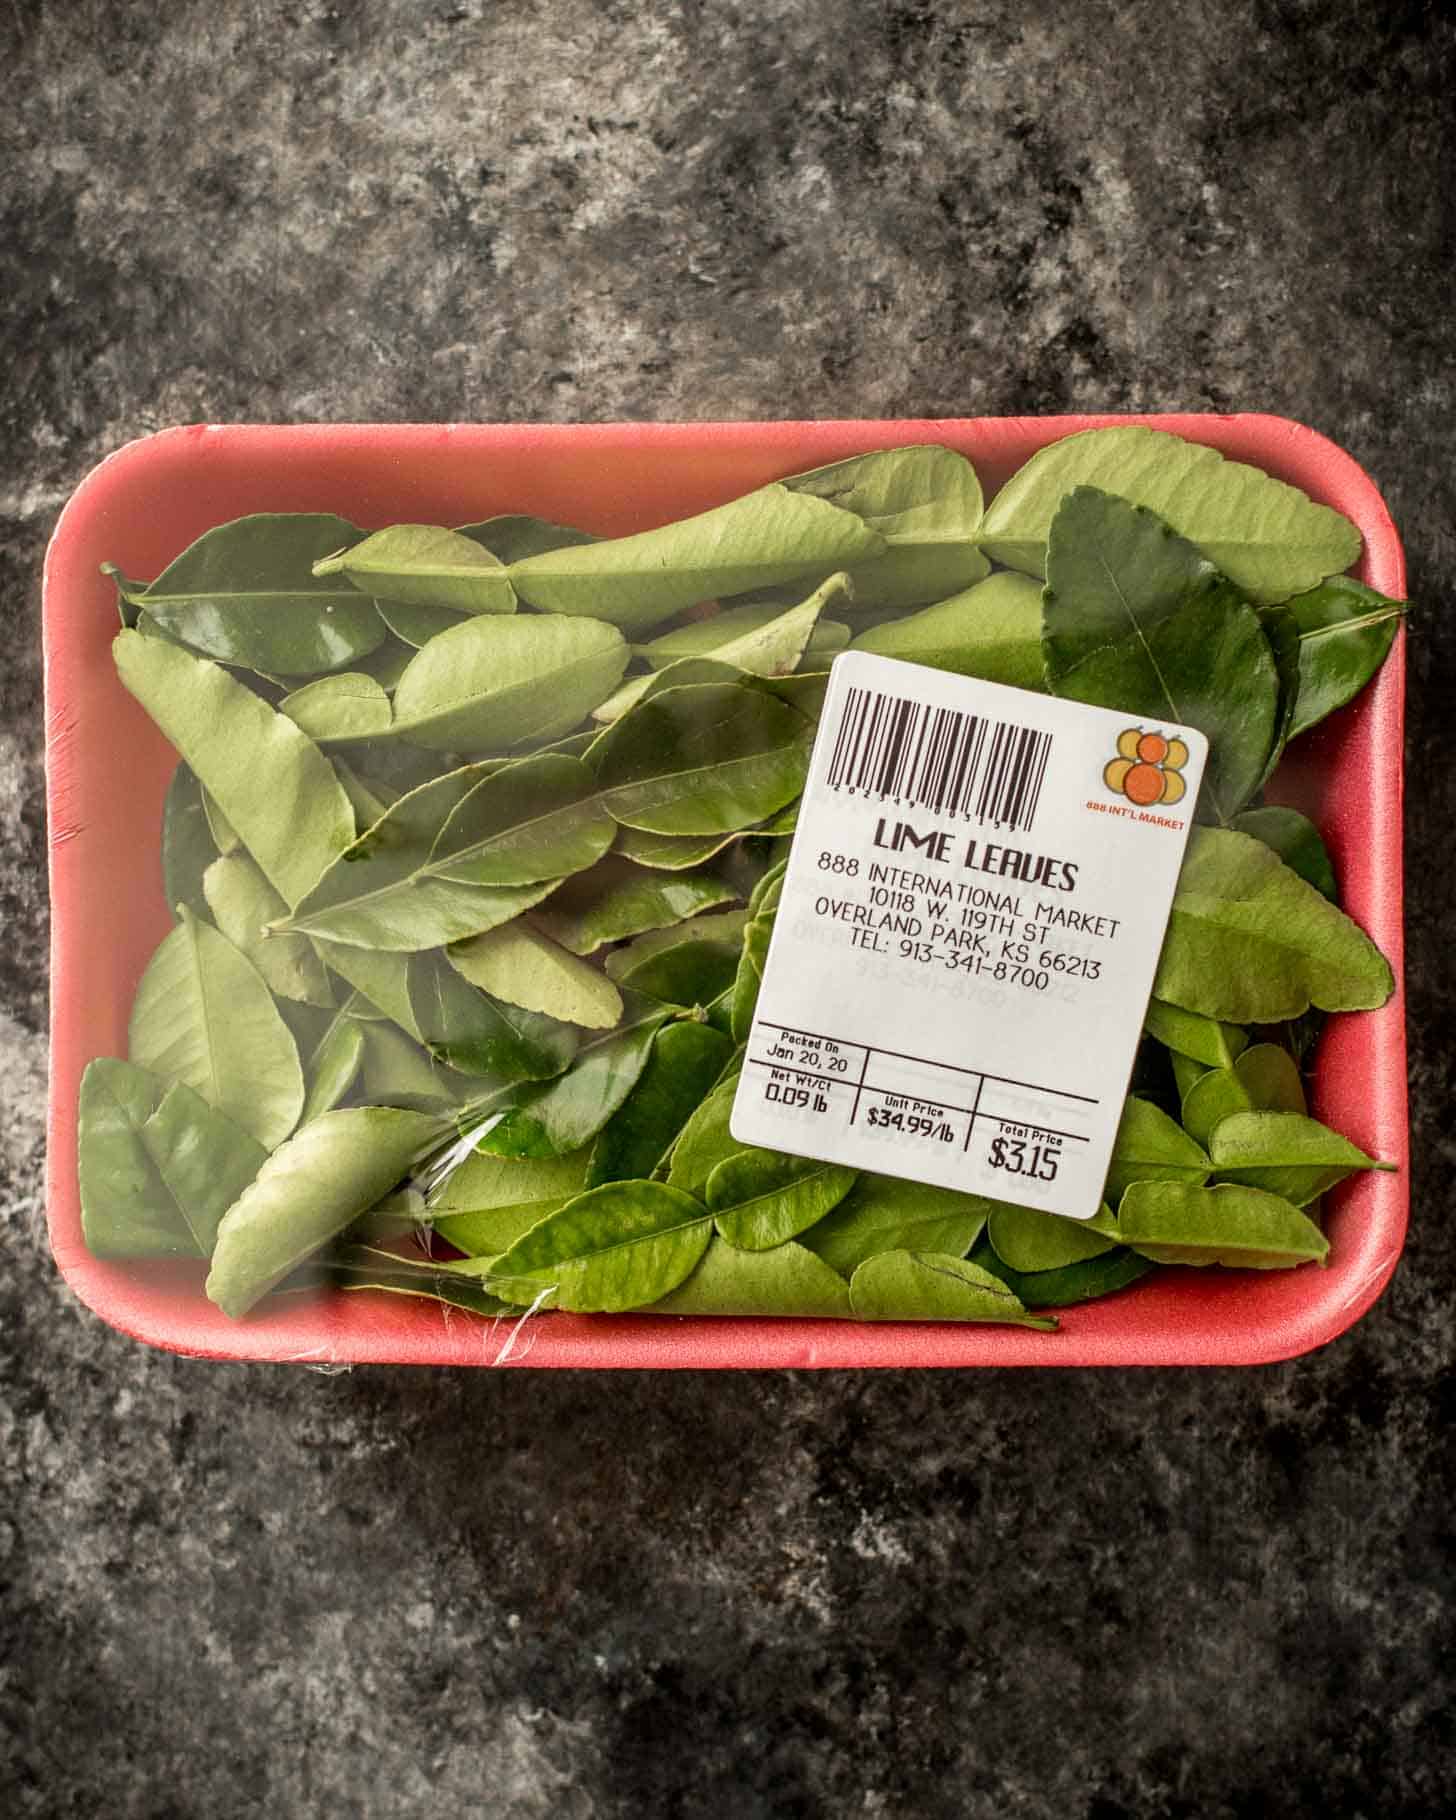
point(521, 966)
point(1242, 1228)
point(927, 1286)
point(788, 1282)
point(992, 631)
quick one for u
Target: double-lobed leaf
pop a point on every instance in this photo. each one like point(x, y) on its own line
point(1242, 1228)
point(765, 538)
point(1204, 1039)
point(307, 1192)
point(929, 1286)
point(273, 783)
point(885, 1213)
point(991, 631)
point(620, 1246)
point(464, 1026)
point(706, 758)
point(245, 593)
point(425, 566)
point(760, 1198)
point(1266, 536)
point(1249, 942)
point(1264, 1078)
point(1151, 1147)
point(1135, 618)
point(1284, 1153)
point(158, 1167)
point(203, 1016)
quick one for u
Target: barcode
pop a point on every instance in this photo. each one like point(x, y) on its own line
point(939, 759)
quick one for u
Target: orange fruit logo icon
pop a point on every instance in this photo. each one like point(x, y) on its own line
point(1148, 768)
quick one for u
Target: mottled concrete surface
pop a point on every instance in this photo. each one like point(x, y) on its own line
point(240, 1591)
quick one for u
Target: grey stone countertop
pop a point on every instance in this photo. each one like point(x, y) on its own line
point(231, 1591)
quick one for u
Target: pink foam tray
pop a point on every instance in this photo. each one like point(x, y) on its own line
point(108, 768)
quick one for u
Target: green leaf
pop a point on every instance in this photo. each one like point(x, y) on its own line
point(538, 818)
point(157, 1166)
point(464, 1027)
point(244, 594)
point(204, 1017)
point(388, 663)
point(760, 1197)
point(425, 566)
point(1151, 1147)
point(519, 966)
point(748, 981)
point(1296, 840)
point(481, 1182)
point(492, 683)
point(1187, 1073)
point(1266, 536)
point(704, 637)
point(1249, 942)
point(882, 1213)
point(771, 649)
point(225, 836)
point(400, 1072)
point(616, 1247)
point(1283, 635)
point(382, 979)
point(1085, 1282)
point(1264, 1078)
point(571, 1111)
point(685, 1062)
point(390, 888)
point(615, 900)
point(722, 928)
point(1284, 1153)
point(347, 706)
point(767, 537)
point(688, 974)
point(671, 852)
point(788, 1282)
point(1214, 1044)
point(1134, 618)
point(1242, 1228)
point(705, 1141)
point(513, 536)
point(927, 1286)
point(333, 1066)
point(1030, 1241)
point(1345, 632)
point(925, 502)
point(243, 903)
point(992, 631)
point(415, 625)
point(367, 1267)
point(485, 1232)
point(275, 786)
point(703, 759)
point(188, 848)
point(308, 1192)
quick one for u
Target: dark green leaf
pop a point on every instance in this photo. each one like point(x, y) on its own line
point(244, 594)
point(615, 900)
point(477, 1034)
point(188, 848)
point(1135, 618)
point(1074, 1283)
point(688, 974)
point(702, 760)
point(685, 1062)
point(883, 1213)
point(1297, 841)
point(1345, 632)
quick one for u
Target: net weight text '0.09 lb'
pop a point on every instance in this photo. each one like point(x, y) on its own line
point(966, 938)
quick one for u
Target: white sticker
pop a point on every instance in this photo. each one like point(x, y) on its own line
point(966, 940)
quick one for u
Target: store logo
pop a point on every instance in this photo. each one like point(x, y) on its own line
point(1148, 768)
